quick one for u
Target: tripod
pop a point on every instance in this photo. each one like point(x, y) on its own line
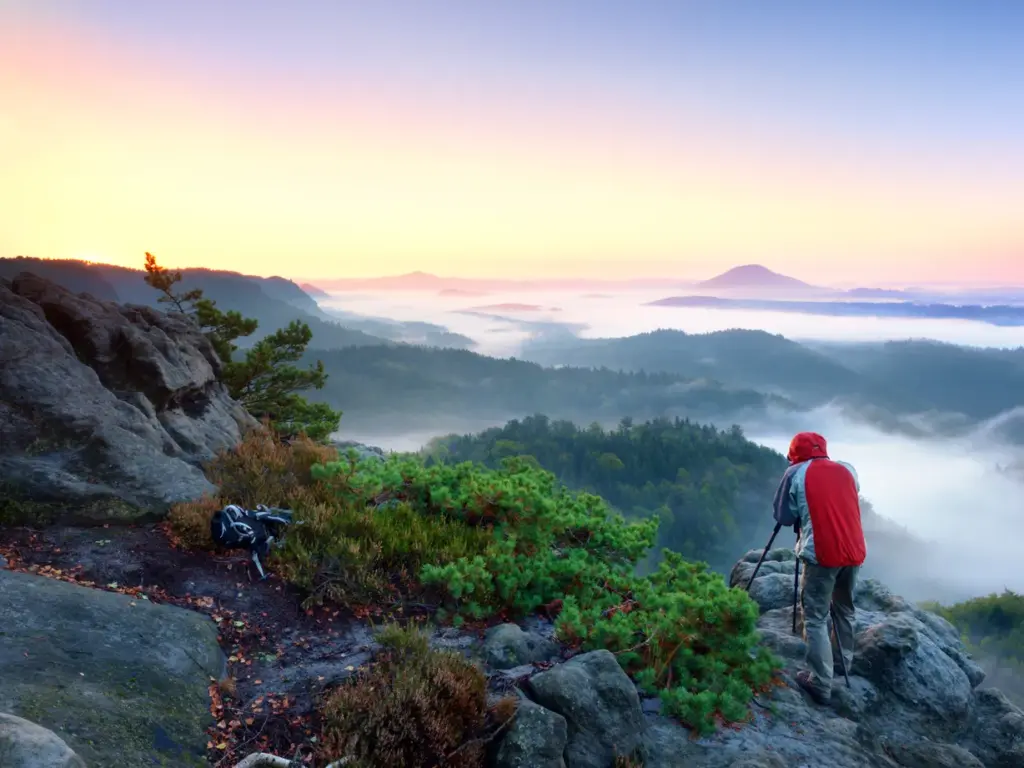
point(796, 597)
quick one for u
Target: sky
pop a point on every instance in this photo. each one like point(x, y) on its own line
point(863, 142)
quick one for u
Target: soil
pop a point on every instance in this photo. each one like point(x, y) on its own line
point(280, 656)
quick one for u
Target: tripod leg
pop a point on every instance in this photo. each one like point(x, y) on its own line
point(764, 554)
point(839, 644)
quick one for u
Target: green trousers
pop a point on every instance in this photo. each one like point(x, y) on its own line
point(820, 587)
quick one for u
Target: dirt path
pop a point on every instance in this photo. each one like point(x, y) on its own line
point(279, 655)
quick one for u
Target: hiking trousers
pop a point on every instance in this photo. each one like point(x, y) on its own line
point(820, 587)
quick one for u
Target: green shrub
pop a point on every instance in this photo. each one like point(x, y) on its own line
point(680, 630)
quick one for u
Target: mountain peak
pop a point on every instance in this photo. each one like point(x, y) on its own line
point(752, 276)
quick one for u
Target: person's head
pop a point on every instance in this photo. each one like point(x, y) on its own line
point(806, 446)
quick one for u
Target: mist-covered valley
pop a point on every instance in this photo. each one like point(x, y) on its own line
point(943, 479)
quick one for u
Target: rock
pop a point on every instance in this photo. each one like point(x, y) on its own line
point(600, 706)
point(106, 411)
point(997, 730)
point(363, 452)
point(27, 745)
point(507, 646)
point(3, 561)
point(897, 657)
point(536, 739)
point(772, 590)
point(929, 754)
point(122, 680)
point(776, 561)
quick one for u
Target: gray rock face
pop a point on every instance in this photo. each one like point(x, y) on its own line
point(996, 730)
point(600, 706)
point(122, 680)
point(105, 410)
point(929, 754)
point(536, 739)
point(507, 646)
point(27, 745)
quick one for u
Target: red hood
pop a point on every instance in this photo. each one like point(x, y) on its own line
point(806, 446)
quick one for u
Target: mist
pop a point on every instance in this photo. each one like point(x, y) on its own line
point(947, 524)
point(500, 331)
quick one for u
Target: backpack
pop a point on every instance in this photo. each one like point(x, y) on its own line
point(256, 530)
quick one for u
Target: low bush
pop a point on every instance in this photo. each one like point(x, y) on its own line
point(413, 707)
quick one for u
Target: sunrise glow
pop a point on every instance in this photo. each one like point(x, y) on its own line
point(299, 161)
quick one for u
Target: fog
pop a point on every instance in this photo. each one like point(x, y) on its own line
point(952, 523)
point(501, 332)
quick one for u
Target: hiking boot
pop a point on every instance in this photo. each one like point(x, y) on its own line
point(803, 679)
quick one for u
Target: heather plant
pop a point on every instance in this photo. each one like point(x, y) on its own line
point(413, 707)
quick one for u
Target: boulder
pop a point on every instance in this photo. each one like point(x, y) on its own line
point(27, 745)
point(124, 681)
point(600, 706)
point(362, 452)
point(106, 411)
point(507, 646)
point(996, 730)
point(536, 739)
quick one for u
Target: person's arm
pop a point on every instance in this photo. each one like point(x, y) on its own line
point(784, 509)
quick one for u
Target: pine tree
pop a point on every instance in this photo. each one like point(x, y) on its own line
point(265, 381)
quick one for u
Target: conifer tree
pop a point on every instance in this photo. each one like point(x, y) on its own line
point(266, 381)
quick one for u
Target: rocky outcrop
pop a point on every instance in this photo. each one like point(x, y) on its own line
point(106, 411)
point(27, 745)
point(507, 646)
point(124, 681)
point(913, 700)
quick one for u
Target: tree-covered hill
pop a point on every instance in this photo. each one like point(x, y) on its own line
point(897, 378)
point(388, 390)
point(741, 358)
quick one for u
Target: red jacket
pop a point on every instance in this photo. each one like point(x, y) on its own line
point(822, 498)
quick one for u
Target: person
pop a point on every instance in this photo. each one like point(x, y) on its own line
point(820, 499)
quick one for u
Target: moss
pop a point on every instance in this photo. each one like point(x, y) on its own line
point(17, 509)
point(119, 727)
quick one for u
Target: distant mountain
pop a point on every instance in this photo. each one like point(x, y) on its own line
point(999, 314)
point(313, 291)
point(754, 276)
point(738, 358)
